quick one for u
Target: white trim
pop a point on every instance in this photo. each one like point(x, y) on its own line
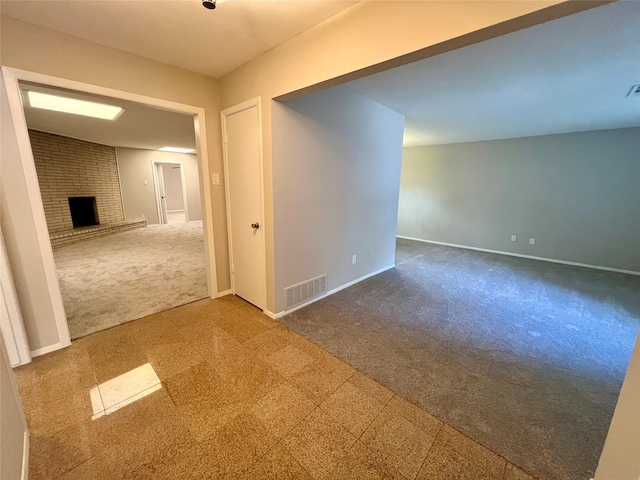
point(11, 322)
point(358, 280)
point(227, 112)
point(25, 456)
point(115, 151)
point(35, 200)
point(156, 184)
point(224, 293)
point(185, 203)
point(270, 314)
point(330, 292)
point(11, 77)
point(175, 211)
point(202, 155)
point(48, 349)
point(155, 167)
point(532, 257)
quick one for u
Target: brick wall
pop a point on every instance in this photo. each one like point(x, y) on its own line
point(73, 168)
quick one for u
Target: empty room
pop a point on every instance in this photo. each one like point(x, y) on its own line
point(417, 231)
point(522, 354)
point(122, 202)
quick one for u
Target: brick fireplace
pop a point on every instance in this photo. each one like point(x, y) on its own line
point(80, 176)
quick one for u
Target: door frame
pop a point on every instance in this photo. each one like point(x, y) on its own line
point(224, 114)
point(156, 182)
point(11, 76)
point(11, 324)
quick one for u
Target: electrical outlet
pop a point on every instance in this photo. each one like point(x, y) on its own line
point(532, 241)
point(513, 238)
point(353, 260)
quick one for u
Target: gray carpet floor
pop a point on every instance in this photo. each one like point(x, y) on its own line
point(121, 277)
point(526, 357)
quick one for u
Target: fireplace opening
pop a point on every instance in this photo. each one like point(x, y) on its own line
point(84, 212)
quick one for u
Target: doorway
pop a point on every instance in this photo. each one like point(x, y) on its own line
point(37, 273)
point(241, 129)
point(171, 193)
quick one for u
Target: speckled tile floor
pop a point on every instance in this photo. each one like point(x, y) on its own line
point(242, 397)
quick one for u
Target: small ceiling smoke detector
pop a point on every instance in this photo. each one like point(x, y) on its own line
point(635, 91)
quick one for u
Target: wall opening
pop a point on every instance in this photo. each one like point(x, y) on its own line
point(84, 211)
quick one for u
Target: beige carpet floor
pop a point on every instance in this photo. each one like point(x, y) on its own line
point(118, 278)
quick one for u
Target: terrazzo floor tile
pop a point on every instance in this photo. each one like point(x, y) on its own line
point(202, 401)
point(371, 388)
point(289, 360)
point(53, 455)
point(361, 462)
point(278, 464)
point(423, 420)
point(483, 457)
point(514, 473)
point(60, 414)
point(444, 463)
point(282, 409)
point(352, 408)
point(114, 354)
point(402, 444)
point(318, 443)
point(238, 445)
point(265, 344)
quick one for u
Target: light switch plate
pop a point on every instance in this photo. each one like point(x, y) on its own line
point(215, 178)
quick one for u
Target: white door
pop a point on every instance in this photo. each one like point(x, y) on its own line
point(161, 195)
point(244, 180)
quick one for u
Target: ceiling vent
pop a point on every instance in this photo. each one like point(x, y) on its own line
point(635, 91)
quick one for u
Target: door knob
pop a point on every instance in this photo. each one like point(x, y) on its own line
point(255, 225)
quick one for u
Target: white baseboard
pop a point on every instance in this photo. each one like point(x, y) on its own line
point(532, 257)
point(224, 293)
point(175, 211)
point(270, 314)
point(25, 456)
point(49, 349)
point(331, 292)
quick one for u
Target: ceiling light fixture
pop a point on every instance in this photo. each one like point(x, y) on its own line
point(74, 106)
point(176, 150)
point(209, 4)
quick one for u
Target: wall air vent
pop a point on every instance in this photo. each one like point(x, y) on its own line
point(302, 292)
point(635, 91)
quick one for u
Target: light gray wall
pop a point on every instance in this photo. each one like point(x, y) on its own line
point(21, 240)
point(336, 172)
point(135, 166)
point(173, 187)
point(13, 425)
point(577, 194)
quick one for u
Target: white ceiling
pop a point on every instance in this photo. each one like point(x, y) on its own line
point(181, 32)
point(569, 75)
point(139, 126)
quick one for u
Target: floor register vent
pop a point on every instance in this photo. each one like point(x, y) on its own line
point(304, 291)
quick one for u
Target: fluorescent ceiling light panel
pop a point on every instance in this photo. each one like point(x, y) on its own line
point(73, 106)
point(177, 150)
